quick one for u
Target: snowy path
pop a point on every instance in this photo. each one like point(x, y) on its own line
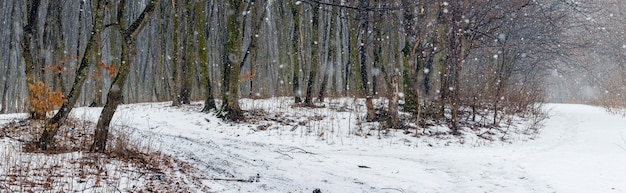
point(580, 149)
point(577, 151)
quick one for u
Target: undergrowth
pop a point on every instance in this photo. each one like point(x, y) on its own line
point(128, 165)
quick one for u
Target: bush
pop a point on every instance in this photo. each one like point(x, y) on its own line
point(42, 100)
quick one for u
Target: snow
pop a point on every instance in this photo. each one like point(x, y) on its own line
point(296, 149)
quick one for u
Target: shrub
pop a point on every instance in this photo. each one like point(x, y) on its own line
point(42, 100)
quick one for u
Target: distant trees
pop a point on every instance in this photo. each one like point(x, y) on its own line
point(600, 70)
point(448, 62)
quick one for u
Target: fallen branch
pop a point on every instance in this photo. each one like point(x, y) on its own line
point(231, 179)
point(249, 180)
point(299, 150)
point(284, 154)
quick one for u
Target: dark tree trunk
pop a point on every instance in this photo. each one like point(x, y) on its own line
point(251, 52)
point(53, 42)
point(296, 40)
point(46, 140)
point(181, 59)
point(29, 48)
point(330, 47)
point(97, 56)
point(203, 53)
point(232, 59)
point(364, 31)
point(115, 96)
point(308, 100)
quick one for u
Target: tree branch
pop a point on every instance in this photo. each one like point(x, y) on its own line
point(141, 21)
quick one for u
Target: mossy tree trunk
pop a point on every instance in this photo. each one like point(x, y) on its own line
point(409, 76)
point(203, 54)
point(297, 51)
point(115, 96)
point(46, 140)
point(182, 25)
point(232, 59)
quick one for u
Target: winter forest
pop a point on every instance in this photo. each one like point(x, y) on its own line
point(299, 80)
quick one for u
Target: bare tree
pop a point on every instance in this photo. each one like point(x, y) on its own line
point(115, 97)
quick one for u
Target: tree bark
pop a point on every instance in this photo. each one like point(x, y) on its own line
point(232, 59)
point(364, 29)
point(393, 121)
point(115, 96)
point(308, 100)
point(203, 53)
point(330, 50)
point(97, 55)
point(5, 87)
point(29, 48)
point(46, 140)
point(53, 42)
point(297, 52)
point(181, 34)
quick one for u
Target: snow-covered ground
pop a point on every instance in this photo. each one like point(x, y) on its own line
point(580, 149)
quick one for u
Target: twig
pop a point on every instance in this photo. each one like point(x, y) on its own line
point(291, 149)
point(285, 154)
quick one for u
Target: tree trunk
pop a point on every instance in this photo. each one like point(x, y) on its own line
point(251, 52)
point(308, 100)
point(393, 121)
point(53, 42)
point(297, 52)
point(232, 58)
point(115, 96)
point(97, 56)
point(181, 36)
point(29, 52)
point(46, 140)
point(364, 31)
point(203, 53)
point(5, 87)
point(330, 50)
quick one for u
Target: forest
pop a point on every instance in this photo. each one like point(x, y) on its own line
point(312, 95)
point(442, 62)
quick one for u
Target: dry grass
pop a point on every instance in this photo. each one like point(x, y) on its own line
point(129, 165)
